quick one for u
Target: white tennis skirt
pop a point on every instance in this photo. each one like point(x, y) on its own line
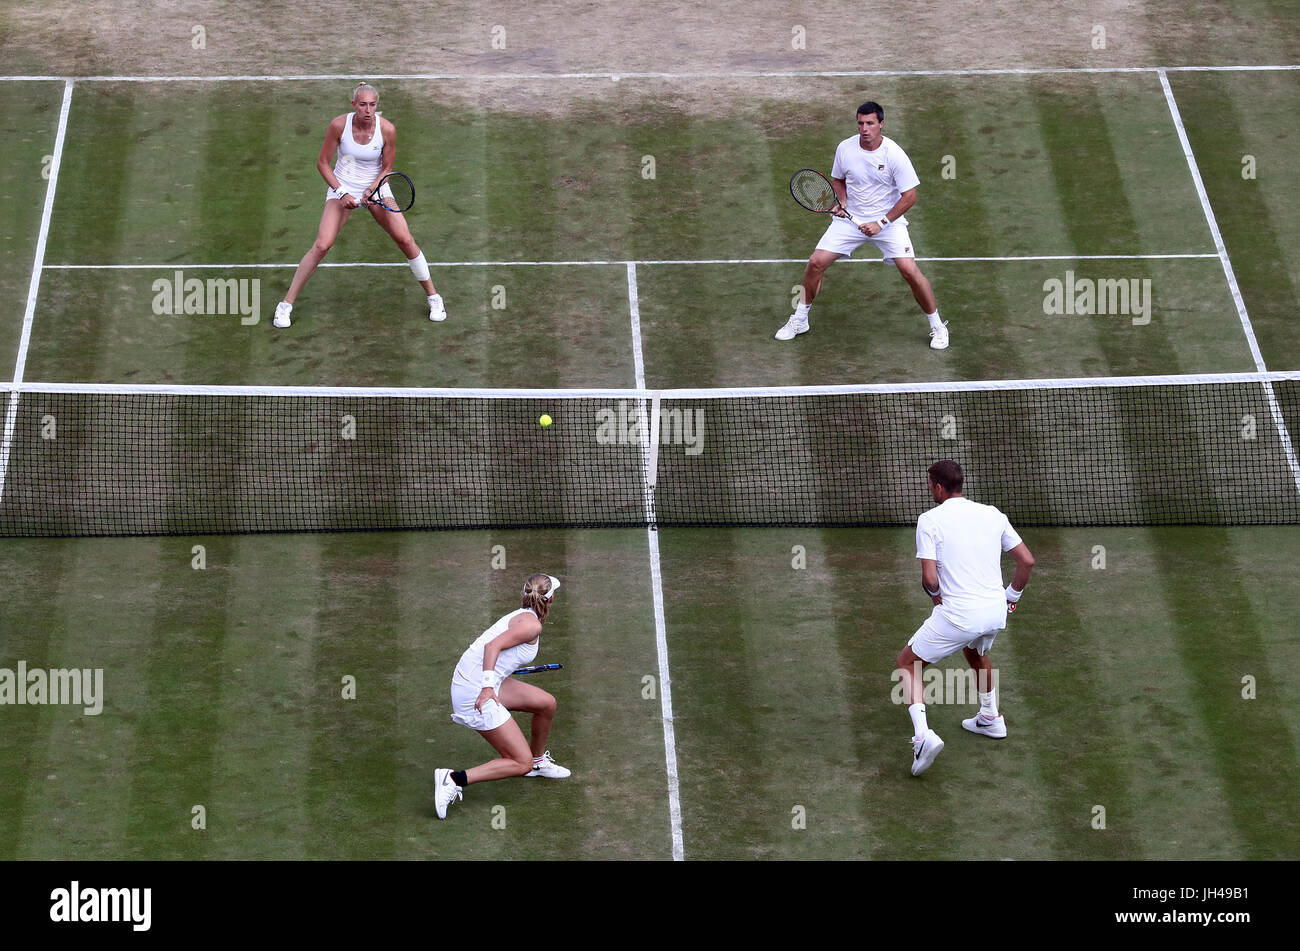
point(492, 716)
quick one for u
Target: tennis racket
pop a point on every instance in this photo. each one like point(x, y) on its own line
point(398, 196)
point(813, 190)
point(538, 669)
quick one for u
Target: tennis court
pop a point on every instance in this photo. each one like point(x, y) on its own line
point(726, 689)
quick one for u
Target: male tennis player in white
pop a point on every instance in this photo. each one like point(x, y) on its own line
point(483, 693)
point(874, 180)
point(960, 544)
point(366, 145)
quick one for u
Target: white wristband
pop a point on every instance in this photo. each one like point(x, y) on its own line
point(1013, 595)
point(489, 680)
point(884, 222)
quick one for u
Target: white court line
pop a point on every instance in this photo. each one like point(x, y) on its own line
point(735, 392)
point(648, 262)
point(1279, 421)
point(650, 463)
point(20, 364)
point(666, 698)
point(610, 74)
point(634, 308)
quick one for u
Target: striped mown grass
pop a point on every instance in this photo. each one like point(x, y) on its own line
point(1123, 685)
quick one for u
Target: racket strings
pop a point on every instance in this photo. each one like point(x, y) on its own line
point(812, 191)
point(403, 193)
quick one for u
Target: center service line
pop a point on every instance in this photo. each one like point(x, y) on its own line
point(650, 462)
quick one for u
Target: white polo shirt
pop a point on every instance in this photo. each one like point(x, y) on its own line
point(873, 181)
point(967, 540)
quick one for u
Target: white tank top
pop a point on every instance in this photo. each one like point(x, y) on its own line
point(359, 164)
point(469, 671)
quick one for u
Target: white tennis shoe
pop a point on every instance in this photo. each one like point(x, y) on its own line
point(445, 792)
point(437, 311)
point(548, 768)
point(924, 750)
point(939, 337)
point(282, 312)
point(996, 728)
point(793, 327)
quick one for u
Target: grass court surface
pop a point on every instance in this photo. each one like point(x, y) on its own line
point(1122, 685)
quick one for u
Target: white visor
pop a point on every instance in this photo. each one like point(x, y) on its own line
point(550, 595)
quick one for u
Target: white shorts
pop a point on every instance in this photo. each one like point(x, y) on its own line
point(357, 191)
point(938, 638)
point(492, 716)
point(843, 237)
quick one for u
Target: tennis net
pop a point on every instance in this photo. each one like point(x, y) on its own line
point(86, 459)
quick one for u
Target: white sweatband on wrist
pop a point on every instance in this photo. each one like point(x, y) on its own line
point(884, 222)
point(419, 267)
point(1013, 595)
point(489, 680)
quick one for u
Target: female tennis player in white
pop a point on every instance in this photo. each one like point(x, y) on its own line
point(483, 693)
point(366, 144)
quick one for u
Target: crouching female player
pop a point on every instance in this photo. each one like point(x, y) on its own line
point(483, 693)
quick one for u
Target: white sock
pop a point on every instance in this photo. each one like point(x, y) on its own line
point(801, 311)
point(935, 322)
point(434, 298)
point(919, 724)
point(988, 706)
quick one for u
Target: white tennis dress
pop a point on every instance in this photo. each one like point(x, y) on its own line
point(357, 166)
point(466, 681)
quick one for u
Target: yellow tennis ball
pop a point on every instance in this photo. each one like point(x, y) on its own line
point(545, 420)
